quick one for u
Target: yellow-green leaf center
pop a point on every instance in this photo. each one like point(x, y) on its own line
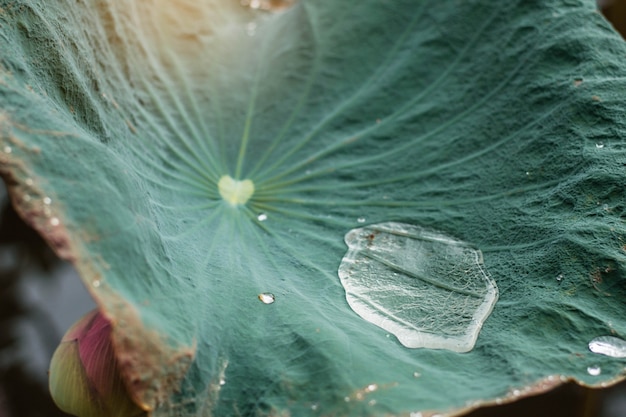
point(235, 192)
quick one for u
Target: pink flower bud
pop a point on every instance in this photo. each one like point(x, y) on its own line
point(84, 377)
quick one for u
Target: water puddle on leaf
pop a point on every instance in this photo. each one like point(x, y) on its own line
point(428, 289)
point(609, 346)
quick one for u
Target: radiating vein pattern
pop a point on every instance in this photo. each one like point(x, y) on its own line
point(202, 153)
point(428, 289)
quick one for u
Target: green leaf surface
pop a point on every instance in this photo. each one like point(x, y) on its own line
point(128, 130)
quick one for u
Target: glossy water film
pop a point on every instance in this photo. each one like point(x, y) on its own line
point(426, 288)
point(267, 298)
point(608, 345)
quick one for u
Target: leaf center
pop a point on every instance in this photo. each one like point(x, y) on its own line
point(235, 192)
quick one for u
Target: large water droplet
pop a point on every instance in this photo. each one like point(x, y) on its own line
point(428, 289)
point(609, 346)
point(594, 370)
point(267, 298)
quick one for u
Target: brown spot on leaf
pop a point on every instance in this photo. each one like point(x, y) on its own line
point(153, 368)
point(131, 127)
point(26, 198)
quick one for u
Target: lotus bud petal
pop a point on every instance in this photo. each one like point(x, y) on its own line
point(84, 376)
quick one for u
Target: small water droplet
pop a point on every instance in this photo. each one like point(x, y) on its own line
point(314, 406)
point(222, 381)
point(372, 402)
point(54, 221)
point(416, 414)
point(594, 370)
point(416, 374)
point(605, 207)
point(371, 387)
point(346, 399)
point(267, 298)
point(29, 181)
point(7, 149)
point(527, 173)
point(255, 4)
point(600, 145)
point(516, 392)
point(361, 220)
point(96, 283)
point(608, 346)
point(559, 277)
point(262, 217)
point(47, 201)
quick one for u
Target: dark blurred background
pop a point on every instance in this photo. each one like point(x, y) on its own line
point(41, 296)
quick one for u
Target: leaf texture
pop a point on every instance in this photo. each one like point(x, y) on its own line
point(498, 123)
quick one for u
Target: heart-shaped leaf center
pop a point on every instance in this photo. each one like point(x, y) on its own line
point(235, 192)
